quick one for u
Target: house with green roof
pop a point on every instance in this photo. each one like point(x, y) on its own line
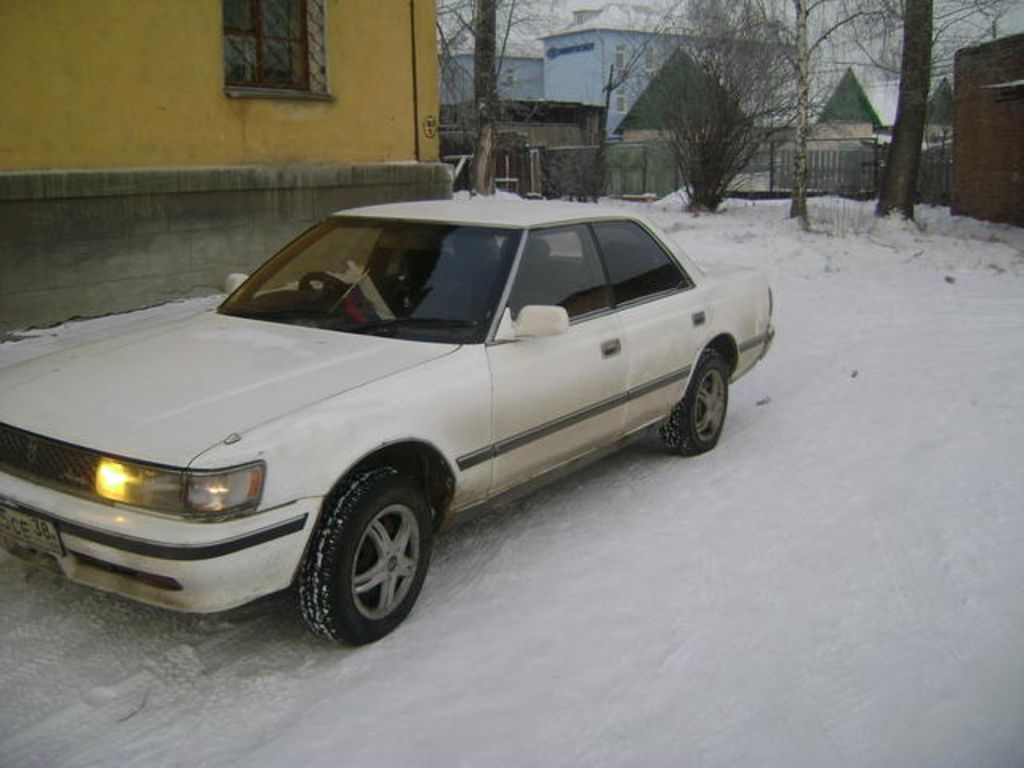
point(848, 114)
point(858, 113)
point(849, 103)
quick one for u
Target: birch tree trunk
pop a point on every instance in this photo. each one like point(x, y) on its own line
point(484, 88)
point(798, 204)
point(899, 179)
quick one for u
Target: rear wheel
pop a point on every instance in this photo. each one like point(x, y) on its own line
point(368, 558)
point(696, 422)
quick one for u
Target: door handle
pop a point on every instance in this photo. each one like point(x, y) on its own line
point(611, 348)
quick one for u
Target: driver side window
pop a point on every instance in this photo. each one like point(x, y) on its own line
point(560, 267)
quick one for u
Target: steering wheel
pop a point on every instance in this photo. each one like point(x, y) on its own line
point(323, 282)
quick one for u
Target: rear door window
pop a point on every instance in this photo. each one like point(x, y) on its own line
point(638, 266)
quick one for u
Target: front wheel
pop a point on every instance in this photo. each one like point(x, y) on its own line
point(368, 558)
point(696, 422)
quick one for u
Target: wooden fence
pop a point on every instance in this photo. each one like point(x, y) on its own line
point(848, 169)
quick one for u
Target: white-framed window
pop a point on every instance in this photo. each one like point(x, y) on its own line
point(275, 44)
point(621, 103)
point(620, 56)
point(650, 58)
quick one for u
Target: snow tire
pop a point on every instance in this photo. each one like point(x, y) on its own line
point(367, 559)
point(696, 422)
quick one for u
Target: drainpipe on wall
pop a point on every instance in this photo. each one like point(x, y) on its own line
point(415, 82)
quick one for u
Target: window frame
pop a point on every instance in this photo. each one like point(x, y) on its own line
point(599, 262)
point(234, 305)
point(620, 56)
point(613, 306)
point(688, 282)
point(309, 85)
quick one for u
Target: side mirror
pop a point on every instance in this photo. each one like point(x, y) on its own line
point(232, 281)
point(533, 320)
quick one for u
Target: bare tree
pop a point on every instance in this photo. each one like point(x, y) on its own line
point(868, 27)
point(485, 96)
point(514, 21)
point(923, 38)
point(802, 66)
point(719, 95)
point(877, 35)
point(899, 180)
point(814, 23)
point(517, 23)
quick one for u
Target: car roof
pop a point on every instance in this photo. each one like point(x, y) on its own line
point(491, 212)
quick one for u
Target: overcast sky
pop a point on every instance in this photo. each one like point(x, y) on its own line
point(1014, 21)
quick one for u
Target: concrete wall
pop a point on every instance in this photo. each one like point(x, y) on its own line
point(118, 84)
point(84, 243)
point(988, 132)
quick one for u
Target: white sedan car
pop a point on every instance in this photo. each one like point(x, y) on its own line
point(390, 368)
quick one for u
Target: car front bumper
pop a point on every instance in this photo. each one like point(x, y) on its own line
point(186, 566)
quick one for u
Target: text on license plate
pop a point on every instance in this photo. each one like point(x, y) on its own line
point(29, 531)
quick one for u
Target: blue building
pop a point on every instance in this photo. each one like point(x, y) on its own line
point(520, 78)
point(610, 45)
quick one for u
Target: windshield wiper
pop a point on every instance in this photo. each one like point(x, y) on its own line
point(396, 323)
point(332, 321)
point(317, 317)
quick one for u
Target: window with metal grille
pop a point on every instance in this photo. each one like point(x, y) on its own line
point(276, 44)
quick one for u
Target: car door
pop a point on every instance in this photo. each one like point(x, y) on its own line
point(661, 314)
point(557, 397)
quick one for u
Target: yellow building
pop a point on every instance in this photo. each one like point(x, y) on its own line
point(148, 146)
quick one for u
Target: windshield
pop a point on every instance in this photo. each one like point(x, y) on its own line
point(409, 280)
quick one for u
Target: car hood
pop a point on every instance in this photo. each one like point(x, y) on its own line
point(166, 395)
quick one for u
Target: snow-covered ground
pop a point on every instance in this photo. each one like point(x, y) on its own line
point(839, 583)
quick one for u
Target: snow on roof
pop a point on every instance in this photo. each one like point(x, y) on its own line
point(490, 211)
point(624, 16)
point(884, 95)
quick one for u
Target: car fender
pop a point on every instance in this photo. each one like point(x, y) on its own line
point(443, 403)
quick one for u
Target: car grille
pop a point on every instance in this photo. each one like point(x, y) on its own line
point(48, 462)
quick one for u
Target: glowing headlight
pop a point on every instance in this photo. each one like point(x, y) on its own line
point(199, 494)
point(112, 480)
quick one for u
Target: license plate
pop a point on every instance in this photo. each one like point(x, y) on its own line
point(30, 531)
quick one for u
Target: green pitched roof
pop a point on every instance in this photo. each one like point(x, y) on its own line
point(680, 72)
point(849, 103)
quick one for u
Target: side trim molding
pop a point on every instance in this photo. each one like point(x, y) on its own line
point(564, 422)
point(751, 343)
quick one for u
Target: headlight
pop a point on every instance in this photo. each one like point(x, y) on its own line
point(231, 491)
point(197, 494)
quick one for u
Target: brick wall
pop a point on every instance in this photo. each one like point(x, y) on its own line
point(988, 132)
